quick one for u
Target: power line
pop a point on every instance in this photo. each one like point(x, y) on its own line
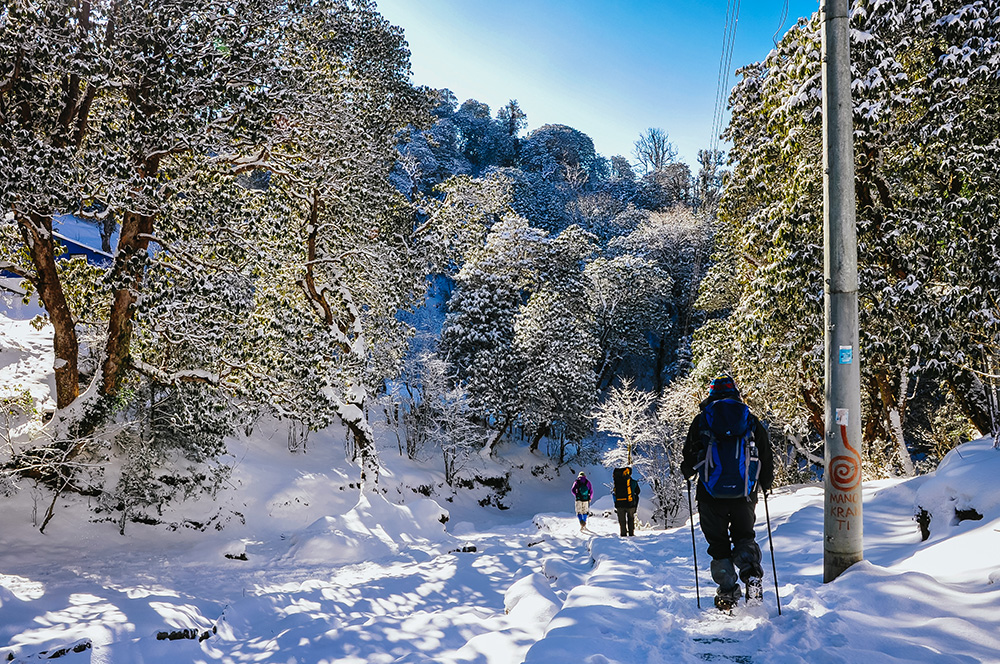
point(713, 141)
point(725, 62)
point(784, 17)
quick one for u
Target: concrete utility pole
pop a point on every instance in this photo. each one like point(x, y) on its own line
point(842, 523)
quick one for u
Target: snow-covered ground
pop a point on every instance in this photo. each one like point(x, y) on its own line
point(26, 359)
point(331, 575)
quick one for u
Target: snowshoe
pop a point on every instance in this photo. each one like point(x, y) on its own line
point(755, 591)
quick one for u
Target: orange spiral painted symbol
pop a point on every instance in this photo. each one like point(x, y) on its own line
point(845, 471)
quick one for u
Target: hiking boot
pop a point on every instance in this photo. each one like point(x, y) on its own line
point(725, 600)
point(755, 590)
point(723, 603)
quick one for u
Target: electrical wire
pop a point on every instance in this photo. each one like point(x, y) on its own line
point(725, 62)
point(784, 17)
point(722, 68)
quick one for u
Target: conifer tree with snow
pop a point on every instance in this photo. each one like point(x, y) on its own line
point(677, 246)
point(554, 336)
point(478, 338)
point(628, 297)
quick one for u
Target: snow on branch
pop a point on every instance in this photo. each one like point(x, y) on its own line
point(243, 164)
point(13, 268)
point(177, 377)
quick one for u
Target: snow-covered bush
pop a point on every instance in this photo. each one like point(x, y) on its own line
point(650, 439)
point(438, 415)
point(676, 410)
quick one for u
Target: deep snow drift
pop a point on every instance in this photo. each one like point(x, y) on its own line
point(307, 569)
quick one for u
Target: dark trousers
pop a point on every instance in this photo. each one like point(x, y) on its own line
point(626, 520)
point(728, 526)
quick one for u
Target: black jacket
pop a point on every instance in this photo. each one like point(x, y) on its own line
point(694, 448)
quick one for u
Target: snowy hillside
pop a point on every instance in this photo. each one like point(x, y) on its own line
point(306, 569)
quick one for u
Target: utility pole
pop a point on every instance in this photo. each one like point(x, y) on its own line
point(842, 523)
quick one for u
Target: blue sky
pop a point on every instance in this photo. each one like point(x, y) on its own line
point(608, 68)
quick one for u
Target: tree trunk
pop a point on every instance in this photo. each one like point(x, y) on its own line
point(133, 242)
point(606, 372)
point(107, 229)
point(893, 410)
point(37, 233)
point(487, 451)
point(874, 426)
point(539, 434)
point(660, 351)
point(353, 418)
point(814, 404)
point(36, 228)
point(971, 397)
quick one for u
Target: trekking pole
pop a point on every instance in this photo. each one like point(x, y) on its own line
point(774, 569)
point(694, 547)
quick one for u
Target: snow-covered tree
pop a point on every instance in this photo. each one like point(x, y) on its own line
point(925, 139)
point(554, 335)
point(627, 415)
point(561, 154)
point(440, 415)
point(678, 244)
point(244, 150)
point(650, 439)
point(512, 119)
point(428, 157)
point(486, 142)
point(535, 198)
point(621, 169)
point(666, 187)
point(629, 298)
point(478, 338)
point(709, 182)
point(676, 409)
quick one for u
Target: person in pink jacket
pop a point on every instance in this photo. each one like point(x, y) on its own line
point(583, 492)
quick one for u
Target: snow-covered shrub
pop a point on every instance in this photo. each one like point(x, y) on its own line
point(166, 451)
point(18, 413)
point(676, 410)
point(438, 414)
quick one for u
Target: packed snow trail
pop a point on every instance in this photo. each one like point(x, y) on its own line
point(638, 604)
point(431, 602)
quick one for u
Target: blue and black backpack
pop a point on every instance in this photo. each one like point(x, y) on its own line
point(731, 465)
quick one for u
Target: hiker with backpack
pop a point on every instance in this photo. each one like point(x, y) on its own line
point(582, 492)
point(728, 447)
point(626, 495)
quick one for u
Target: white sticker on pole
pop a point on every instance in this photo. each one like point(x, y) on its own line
point(842, 416)
point(846, 354)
